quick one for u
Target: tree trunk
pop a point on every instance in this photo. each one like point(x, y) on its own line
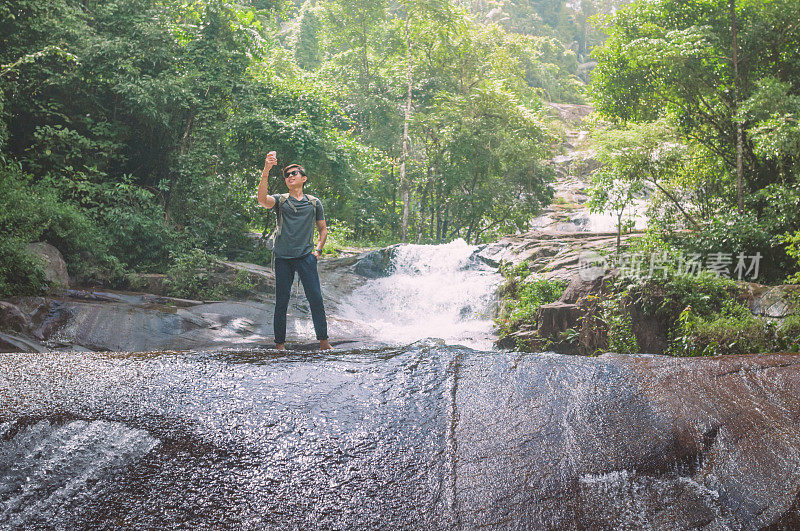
point(406, 121)
point(423, 205)
point(675, 201)
point(444, 222)
point(739, 132)
point(394, 203)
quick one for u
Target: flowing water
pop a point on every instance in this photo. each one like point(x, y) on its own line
point(424, 433)
point(434, 291)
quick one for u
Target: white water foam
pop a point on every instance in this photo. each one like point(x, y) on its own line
point(435, 291)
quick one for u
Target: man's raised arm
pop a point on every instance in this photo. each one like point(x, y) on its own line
point(264, 199)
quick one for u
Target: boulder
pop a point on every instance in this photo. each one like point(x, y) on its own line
point(579, 287)
point(557, 317)
point(376, 264)
point(774, 301)
point(14, 319)
point(55, 268)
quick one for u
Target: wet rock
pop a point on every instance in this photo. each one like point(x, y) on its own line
point(425, 437)
point(87, 295)
point(53, 318)
point(491, 254)
point(13, 319)
point(120, 326)
point(570, 112)
point(16, 343)
point(174, 301)
point(376, 264)
point(55, 268)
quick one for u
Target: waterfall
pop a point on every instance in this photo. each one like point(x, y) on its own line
point(434, 291)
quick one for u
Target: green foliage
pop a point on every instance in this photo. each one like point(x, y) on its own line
point(793, 250)
point(135, 223)
point(30, 213)
point(151, 118)
point(476, 129)
point(788, 334)
point(522, 295)
point(666, 298)
point(702, 314)
point(735, 235)
point(733, 330)
point(20, 273)
point(668, 61)
point(619, 327)
point(195, 274)
point(772, 112)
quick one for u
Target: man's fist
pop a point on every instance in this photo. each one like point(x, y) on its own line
point(272, 159)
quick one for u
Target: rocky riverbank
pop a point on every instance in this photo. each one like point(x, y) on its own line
point(599, 310)
point(103, 320)
point(425, 436)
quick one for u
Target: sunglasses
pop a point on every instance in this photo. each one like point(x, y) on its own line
point(291, 174)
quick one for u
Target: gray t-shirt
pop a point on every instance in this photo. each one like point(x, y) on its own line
point(299, 220)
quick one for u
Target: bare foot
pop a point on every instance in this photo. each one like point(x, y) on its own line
point(324, 344)
point(280, 346)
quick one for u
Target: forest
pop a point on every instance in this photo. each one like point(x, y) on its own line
point(133, 132)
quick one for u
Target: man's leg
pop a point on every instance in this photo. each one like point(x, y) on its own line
point(284, 276)
point(307, 269)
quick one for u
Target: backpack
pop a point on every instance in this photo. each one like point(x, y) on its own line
point(282, 199)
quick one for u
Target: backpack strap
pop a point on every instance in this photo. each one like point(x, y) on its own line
point(317, 204)
point(314, 201)
point(282, 199)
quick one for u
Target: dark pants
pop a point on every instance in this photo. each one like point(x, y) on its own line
point(306, 268)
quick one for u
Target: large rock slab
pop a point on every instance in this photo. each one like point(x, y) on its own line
point(427, 436)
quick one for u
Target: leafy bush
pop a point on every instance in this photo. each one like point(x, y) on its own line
point(735, 234)
point(190, 274)
point(196, 274)
point(619, 327)
point(788, 334)
point(20, 273)
point(135, 223)
point(31, 212)
point(523, 294)
point(666, 298)
point(793, 250)
point(733, 330)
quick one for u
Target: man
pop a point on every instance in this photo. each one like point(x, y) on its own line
point(294, 251)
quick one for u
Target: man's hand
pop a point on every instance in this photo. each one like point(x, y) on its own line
point(271, 160)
